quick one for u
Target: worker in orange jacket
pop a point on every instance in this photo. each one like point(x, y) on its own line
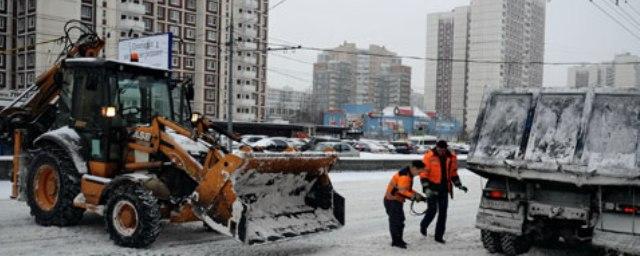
point(398, 190)
point(441, 173)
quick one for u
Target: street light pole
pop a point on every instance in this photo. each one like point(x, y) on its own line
point(230, 72)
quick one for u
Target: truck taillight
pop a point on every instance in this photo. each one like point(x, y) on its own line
point(495, 194)
point(629, 210)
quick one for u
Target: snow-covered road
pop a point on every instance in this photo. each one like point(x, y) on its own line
point(364, 234)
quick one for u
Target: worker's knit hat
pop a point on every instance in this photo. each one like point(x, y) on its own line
point(442, 144)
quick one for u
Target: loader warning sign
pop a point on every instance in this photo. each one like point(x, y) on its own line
point(153, 51)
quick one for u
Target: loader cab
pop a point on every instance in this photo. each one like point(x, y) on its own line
point(101, 98)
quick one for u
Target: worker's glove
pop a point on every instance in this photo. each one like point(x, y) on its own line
point(428, 193)
point(418, 197)
point(463, 188)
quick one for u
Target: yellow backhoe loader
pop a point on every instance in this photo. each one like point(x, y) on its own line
point(97, 135)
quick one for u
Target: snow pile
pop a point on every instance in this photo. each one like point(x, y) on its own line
point(381, 156)
point(554, 134)
point(503, 126)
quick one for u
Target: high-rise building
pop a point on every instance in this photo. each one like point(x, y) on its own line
point(446, 80)
point(491, 43)
point(351, 75)
point(511, 34)
point(626, 75)
point(28, 29)
point(201, 29)
point(590, 76)
point(286, 104)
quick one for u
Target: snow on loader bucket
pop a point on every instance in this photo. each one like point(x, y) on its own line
point(269, 197)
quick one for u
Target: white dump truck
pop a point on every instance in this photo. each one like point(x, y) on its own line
point(562, 165)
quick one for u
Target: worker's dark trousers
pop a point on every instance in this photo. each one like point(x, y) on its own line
point(437, 203)
point(396, 220)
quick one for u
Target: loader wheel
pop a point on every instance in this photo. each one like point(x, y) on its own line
point(514, 245)
point(490, 241)
point(52, 184)
point(132, 216)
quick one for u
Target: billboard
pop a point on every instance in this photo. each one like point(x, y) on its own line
point(154, 50)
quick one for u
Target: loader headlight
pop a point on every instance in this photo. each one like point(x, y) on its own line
point(195, 117)
point(108, 111)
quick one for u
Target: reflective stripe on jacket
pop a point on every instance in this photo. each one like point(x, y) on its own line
point(432, 175)
point(400, 186)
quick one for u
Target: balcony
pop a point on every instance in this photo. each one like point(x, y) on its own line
point(132, 8)
point(135, 25)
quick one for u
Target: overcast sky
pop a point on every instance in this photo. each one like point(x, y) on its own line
point(575, 31)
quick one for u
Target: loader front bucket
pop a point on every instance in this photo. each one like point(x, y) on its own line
point(279, 196)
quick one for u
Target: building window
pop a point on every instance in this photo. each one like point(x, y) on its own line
point(148, 8)
point(189, 63)
point(208, 79)
point(190, 33)
point(148, 24)
point(211, 36)
point(86, 12)
point(20, 25)
point(190, 18)
point(209, 95)
point(210, 65)
point(175, 30)
point(174, 16)
point(190, 48)
point(3, 23)
point(3, 5)
point(212, 6)
point(211, 20)
point(3, 83)
point(175, 62)
point(210, 109)
point(211, 50)
point(190, 4)
point(176, 3)
point(161, 13)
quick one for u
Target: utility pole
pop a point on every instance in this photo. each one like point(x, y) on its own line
point(230, 73)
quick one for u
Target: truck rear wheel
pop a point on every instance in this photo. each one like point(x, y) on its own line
point(490, 241)
point(52, 184)
point(514, 245)
point(132, 216)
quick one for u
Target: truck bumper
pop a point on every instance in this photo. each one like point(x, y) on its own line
point(500, 221)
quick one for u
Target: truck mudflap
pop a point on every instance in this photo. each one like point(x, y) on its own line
point(273, 198)
point(501, 221)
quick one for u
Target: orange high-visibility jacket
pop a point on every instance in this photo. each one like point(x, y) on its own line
point(433, 174)
point(400, 186)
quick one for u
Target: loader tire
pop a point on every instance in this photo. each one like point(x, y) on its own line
point(491, 241)
point(52, 183)
point(514, 245)
point(132, 216)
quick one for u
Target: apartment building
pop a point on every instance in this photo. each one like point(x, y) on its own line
point(626, 75)
point(590, 76)
point(446, 80)
point(28, 29)
point(490, 43)
point(360, 76)
point(200, 29)
point(286, 103)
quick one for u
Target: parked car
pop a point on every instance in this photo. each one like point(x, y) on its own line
point(423, 143)
point(341, 148)
point(251, 138)
point(275, 144)
point(361, 146)
point(403, 147)
point(375, 146)
point(460, 148)
point(296, 143)
point(314, 141)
